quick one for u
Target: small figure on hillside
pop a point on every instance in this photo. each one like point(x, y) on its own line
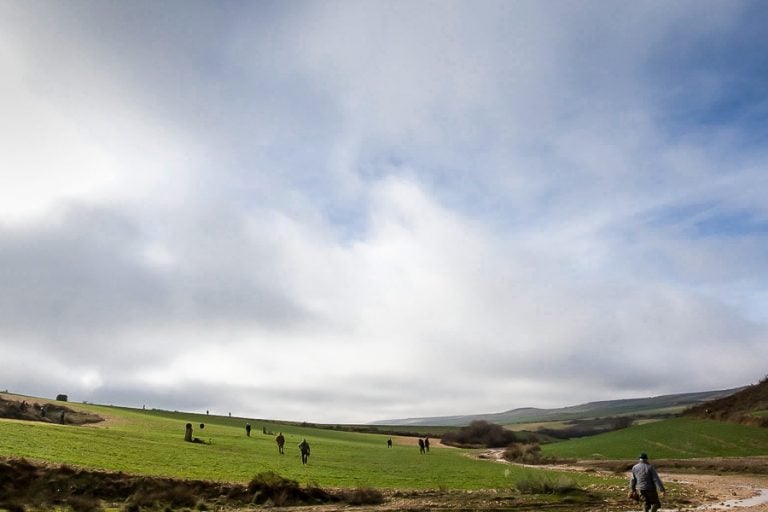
point(645, 480)
point(426, 443)
point(248, 429)
point(304, 449)
point(42, 412)
point(280, 443)
point(389, 443)
point(421, 446)
point(61, 417)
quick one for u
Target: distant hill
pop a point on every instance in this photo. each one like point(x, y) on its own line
point(653, 406)
point(748, 406)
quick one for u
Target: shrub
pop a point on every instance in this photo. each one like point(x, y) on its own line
point(480, 434)
point(269, 487)
point(543, 483)
point(181, 497)
point(11, 506)
point(590, 427)
point(528, 453)
point(84, 504)
point(62, 398)
point(362, 496)
point(176, 495)
point(270, 480)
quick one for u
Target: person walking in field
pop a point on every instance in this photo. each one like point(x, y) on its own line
point(426, 444)
point(304, 449)
point(421, 445)
point(280, 439)
point(248, 429)
point(645, 480)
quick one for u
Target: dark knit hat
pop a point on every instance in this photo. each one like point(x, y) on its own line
point(644, 456)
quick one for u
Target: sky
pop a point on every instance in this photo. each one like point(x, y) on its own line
point(350, 211)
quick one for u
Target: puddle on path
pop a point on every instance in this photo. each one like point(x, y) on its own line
point(760, 499)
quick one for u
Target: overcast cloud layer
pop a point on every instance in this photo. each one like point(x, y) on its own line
point(350, 211)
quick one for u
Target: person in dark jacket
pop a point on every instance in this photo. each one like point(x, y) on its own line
point(646, 480)
point(304, 449)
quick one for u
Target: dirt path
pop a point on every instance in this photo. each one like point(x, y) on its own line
point(709, 492)
point(744, 493)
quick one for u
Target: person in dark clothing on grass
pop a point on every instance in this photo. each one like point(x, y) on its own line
point(304, 448)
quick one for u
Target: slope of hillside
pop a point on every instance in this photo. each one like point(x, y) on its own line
point(48, 411)
point(652, 406)
point(747, 406)
point(677, 438)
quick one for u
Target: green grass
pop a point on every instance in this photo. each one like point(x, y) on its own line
point(151, 442)
point(533, 427)
point(679, 438)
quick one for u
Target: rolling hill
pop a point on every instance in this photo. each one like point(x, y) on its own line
point(748, 406)
point(652, 406)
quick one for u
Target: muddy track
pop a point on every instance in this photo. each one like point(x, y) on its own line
point(734, 483)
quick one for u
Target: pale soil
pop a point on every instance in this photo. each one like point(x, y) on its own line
point(723, 491)
point(739, 492)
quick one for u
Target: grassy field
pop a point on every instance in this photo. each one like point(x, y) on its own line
point(151, 442)
point(679, 438)
point(532, 427)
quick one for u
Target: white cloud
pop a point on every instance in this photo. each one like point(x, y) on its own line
point(343, 212)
